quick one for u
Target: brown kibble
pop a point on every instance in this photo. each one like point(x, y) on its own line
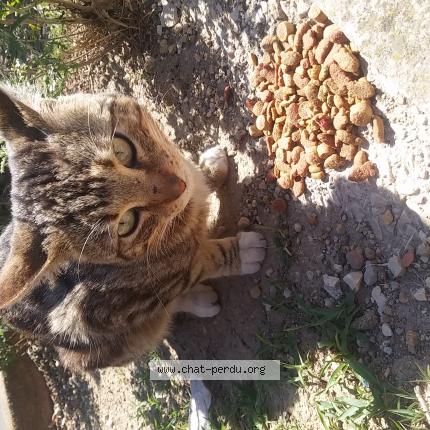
point(362, 173)
point(312, 219)
point(378, 129)
point(254, 131)
point(267, 43)
point(347, 61)
point(309, 41)
point(295, 154)
point(317, 14)
point(334, 88)
point(280, 154)
point(326, 138)
point(285, 181)
point(348, 151)
point(277, 131)
point(301, 168)
point(347, 137)
point(324, 150)
point(311, 155)
point(261, 122)
point(361, 89)
point(300, 81)
point(285, 143)
point(298, 187)
point(360, 158)
point(279, 205)
point(330, 56)
point(315, 168)
point(298, 37)
point(340, 121)
point(250, 103)
point(283, 30)
point(324, 73)
point(333, 33)
point(305, 110)
point(318, 175)
point(411, 339)
point(292, 113)
point(290, 58)
point(360, 113)
point(322, 50)
point(269, 144)
point(311, 91)
point(341, 77)
point(252, 59)
point(334, 162)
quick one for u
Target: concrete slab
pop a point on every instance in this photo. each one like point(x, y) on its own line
point(393, 38)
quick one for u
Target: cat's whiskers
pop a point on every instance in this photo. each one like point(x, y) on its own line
point(95, 226)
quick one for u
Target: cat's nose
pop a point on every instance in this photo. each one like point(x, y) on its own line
point(166, 187)
point(177, 184)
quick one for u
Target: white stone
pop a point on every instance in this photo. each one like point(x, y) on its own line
point(379, 299)
point(395, 266)
point(169, 15)
point(423, 250)
point(332, 286)
point(370, 275)
point(386, 330)
point(353, 280)
point(421, 295)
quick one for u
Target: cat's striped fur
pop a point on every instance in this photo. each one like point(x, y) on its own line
point(67, 275)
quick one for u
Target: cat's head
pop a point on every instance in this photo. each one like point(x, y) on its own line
point(93, 179)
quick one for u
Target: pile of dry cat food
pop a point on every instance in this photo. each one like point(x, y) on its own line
point(309, 101)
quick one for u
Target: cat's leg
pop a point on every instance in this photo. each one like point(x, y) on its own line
point(214, 164)
point(200, 300)
point(239, 255)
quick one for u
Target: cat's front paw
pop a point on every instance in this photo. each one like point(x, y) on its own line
point(252, 250)
point(214, 164)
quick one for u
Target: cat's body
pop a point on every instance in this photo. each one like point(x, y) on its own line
point(108, 237)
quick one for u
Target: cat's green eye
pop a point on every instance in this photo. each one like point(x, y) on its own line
point(128, 223)
point(124, 150)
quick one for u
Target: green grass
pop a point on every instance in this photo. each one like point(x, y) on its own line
point(32, 42)
point(164, 404)
point(351, 396)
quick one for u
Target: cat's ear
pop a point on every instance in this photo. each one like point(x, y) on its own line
point(26, 263)
point(19, 121)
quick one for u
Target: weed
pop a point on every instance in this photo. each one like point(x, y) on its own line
point(164, 405)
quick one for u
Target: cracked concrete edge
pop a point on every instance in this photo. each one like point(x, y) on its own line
point(390, 36)
point(25, 402)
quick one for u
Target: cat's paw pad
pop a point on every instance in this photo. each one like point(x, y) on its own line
point(252, 250)
point(201, 301)
point(214, 164)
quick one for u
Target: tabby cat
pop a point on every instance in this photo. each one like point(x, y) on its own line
point(108, 238)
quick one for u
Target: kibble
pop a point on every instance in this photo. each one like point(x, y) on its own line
point(309, 100)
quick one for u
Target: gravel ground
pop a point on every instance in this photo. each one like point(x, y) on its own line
point(336, 228)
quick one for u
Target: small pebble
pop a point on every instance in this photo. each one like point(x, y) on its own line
point(369, 253)
point(403, 297)
point(255, 291)
point(420, 295)
point(386, 330)
point(387, 217)
point(395, 266)
point(312, 219)
point(408, 258)
point(353, 280)
point(355, 258)
point(411, 339)
point(297, 227)
point(287, 293)
point(340, 229)
point(279, 205)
